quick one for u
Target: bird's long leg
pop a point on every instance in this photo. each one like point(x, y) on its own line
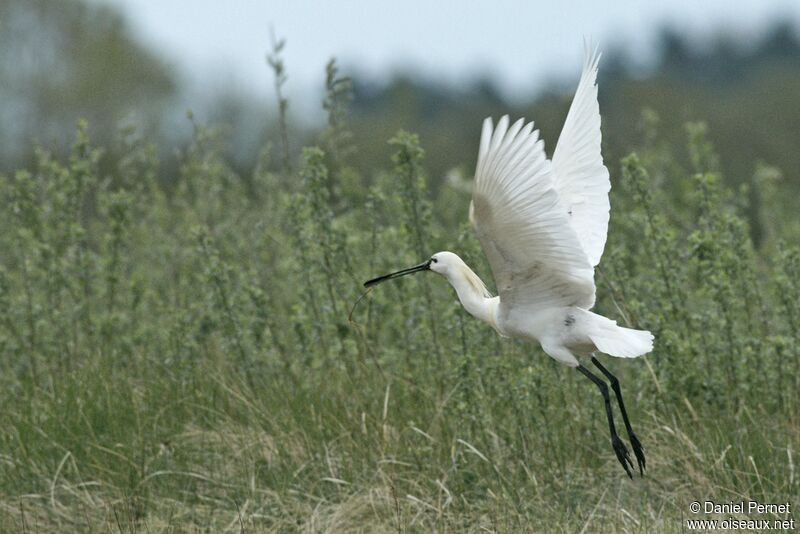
point(619, 447)
point(638, 450)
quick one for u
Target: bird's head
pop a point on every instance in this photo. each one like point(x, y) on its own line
point(441, 262)
point(445, 262)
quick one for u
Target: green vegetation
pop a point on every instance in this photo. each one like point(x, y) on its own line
point(182, 344)
point(190, 354)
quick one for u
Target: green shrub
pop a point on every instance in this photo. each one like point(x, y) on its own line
point(193, 355)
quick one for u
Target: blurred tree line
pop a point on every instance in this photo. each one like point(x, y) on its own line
point(747, 92)
point(67, 59)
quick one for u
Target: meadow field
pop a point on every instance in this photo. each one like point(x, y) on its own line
point(188, 355)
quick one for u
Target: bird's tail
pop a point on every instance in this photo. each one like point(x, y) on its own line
point(614, 340)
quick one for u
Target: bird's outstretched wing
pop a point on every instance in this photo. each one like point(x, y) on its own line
point(535, 255)
point(580, 178)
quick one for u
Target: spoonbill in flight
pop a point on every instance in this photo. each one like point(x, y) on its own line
point(543, 226)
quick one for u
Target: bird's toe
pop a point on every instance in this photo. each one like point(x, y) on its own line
point(638, 451)
point(622, 455)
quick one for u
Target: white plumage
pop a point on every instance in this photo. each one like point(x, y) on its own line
point(581, 178)
point(543, 227)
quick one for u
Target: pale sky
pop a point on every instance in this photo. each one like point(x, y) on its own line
point(520, 43)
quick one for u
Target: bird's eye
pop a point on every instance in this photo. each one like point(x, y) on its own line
point(434, 260)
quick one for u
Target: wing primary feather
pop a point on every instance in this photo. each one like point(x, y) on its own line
point(497, 139)
point(483, 153)
point(517, 151)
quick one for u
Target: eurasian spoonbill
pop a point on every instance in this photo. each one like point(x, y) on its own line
point(543, 226)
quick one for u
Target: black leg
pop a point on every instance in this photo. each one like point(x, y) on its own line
point(619, 447)
point(638, 450)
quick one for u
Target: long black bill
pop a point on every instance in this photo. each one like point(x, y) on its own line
point(411, 270)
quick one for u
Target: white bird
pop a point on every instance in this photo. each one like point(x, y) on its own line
point(543, 226)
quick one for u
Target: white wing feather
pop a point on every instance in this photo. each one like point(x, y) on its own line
point(581, 179)
point(535, 255)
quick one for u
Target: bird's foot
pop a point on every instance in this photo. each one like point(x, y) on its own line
point(638, 451)
point(622, 455)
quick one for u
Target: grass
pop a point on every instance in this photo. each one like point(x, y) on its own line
point(186, 355)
